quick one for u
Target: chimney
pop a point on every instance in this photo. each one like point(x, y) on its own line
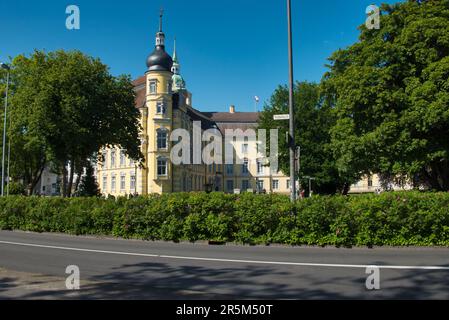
point(232, 109)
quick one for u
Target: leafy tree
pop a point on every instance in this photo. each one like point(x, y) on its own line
point(67, 107)
point(89, 186)
point(312, 123)
point(28, 154)
point(391, 96)
point(16, 188)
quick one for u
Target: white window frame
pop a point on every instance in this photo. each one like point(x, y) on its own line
point(122, 182)
point(150, 86)
point(245, 166)
point(105, 159)
point(113, 156)
point(169, 86)
point(158, 132)
point(105, 183)
point(158, 165)
point(132, 182)
point(122, 158)
point(260, 168)
point(113, 182)
point(161, 107)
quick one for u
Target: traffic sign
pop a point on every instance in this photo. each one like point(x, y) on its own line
point(281, 117)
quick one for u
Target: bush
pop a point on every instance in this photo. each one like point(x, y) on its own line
point(404, 218)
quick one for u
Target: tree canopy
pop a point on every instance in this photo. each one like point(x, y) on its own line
point(89, 185)
point(390, 93)
point(66, 107)
point(313, 121)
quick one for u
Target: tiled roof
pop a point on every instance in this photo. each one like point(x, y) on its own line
point(246, 118)
point(237, 117)
point(139, 85)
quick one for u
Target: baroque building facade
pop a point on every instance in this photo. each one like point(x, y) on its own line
point(165, 105)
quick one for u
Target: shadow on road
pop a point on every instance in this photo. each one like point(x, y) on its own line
point(163, 281)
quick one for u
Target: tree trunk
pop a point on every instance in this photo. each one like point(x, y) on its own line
point(78, 178)
point(72, 173)
point(34, 180)
point(64, 181)
point(346, 188)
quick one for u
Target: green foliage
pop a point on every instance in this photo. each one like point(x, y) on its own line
point(89, 186)
point(66, 106)
point(16, 188)
point(312, 124)
point(391, 96)
point(401, 219)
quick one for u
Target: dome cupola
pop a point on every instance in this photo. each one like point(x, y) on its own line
point(159, 60)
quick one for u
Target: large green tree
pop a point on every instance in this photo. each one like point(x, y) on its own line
point(313, 120)
point(391, 96)
point(66, 107)
point(28, 151)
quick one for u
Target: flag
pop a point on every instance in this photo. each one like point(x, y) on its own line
point(256, 98)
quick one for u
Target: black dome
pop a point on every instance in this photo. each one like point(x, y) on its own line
point(159, 60)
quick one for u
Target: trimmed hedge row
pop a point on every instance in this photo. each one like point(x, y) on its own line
point(406, 218)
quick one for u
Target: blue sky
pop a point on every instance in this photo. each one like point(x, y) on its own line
point(230, 50)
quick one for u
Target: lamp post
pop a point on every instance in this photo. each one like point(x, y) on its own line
point(7, 68)
point(291, 111)
point(9, 161)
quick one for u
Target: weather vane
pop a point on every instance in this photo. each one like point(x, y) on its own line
point(160, 19)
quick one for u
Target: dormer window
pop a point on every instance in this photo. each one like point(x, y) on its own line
point(153, 87)
point(161, 107)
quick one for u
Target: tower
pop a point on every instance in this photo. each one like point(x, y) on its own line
point(158, 122)
point(177, 79)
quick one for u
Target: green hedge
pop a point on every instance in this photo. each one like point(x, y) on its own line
point(406, 218)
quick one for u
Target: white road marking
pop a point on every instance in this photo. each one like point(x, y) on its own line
point(285, 263)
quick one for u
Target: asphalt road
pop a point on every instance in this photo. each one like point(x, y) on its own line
point(32, 266)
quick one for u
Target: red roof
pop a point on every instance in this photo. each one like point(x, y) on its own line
point(139, 85)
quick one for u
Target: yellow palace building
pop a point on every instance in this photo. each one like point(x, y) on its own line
point(165, 104)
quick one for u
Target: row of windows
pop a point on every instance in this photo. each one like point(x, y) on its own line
point(123, 177)
point(245, 168)
point(245, 185)
point(113, 157)
point(193, 183)
point(162, 144)
point(153, 87)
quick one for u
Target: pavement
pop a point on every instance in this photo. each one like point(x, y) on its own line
point(33, 266)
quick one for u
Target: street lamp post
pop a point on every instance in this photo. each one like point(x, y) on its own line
point(291, 96)
point(9, 161)
point(7, 68)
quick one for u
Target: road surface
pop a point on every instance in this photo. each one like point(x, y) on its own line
point(32, 266)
